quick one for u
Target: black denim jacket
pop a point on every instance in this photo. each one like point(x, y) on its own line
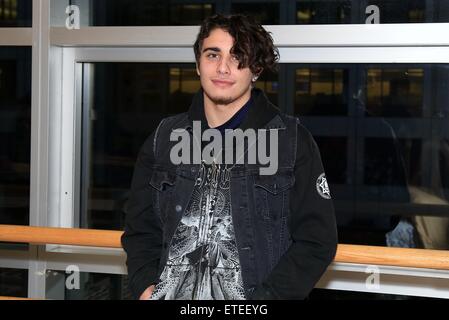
point(284, 226)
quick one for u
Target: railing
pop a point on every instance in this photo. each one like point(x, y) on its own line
point(369, 255)
point(45, 235)
point(346, 253)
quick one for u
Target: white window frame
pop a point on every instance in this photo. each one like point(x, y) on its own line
point(337, 44)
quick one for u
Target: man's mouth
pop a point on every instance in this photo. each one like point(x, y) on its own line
point(222, 83)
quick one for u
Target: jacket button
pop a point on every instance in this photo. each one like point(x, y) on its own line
point(178, 208)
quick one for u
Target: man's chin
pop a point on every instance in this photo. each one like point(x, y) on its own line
point(221, 100)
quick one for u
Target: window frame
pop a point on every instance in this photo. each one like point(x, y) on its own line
point(350, 47)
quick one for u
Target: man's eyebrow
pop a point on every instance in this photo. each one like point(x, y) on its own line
point(216, 49)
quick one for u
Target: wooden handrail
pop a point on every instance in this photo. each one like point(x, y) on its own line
point(369, 255)
point(392, 256)
point(65, 236)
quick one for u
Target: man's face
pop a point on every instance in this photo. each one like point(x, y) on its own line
point(222, 82)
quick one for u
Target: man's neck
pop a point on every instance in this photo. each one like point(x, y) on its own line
point(217, 114)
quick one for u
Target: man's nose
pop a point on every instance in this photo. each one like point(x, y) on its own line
point(223, 67)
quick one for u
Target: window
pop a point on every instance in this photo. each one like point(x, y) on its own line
point(15, 13)
point(13, 282)
point(394, 92)
point(321, 91)
point(128, 102)
point(323, 12)
point(264, 12)
point(15, 134)
point(390, 11)
point(385, 165)
point(143, 12)
point(92, 286)
point(379, 129)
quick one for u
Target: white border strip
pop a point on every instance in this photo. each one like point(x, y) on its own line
point(407, 34)
point(16, 36)
point(39, 141)
point(365, 55)
point(354, 35)
point(391, 280)
point(339, 276)
point(287, 55)
point(392, 270)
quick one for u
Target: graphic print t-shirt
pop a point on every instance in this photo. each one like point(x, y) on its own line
point(203, 262)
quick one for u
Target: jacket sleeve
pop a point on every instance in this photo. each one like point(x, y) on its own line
point(312, 226)
point(142, 238)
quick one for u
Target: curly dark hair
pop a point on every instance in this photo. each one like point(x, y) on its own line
point(253, 45)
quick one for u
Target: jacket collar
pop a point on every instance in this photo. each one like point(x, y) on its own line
point(262, 114)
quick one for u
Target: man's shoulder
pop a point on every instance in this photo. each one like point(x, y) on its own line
point(305, 140)
point(174, 121)
point(292, 120)
point(163, 128)
point(289, 119)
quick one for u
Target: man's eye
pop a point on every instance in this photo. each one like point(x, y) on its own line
point(235, 58)
point(212, 55)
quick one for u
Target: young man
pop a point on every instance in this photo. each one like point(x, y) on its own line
point(212, 229)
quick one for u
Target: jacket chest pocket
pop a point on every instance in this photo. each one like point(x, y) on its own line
point(271, 195)
point(164, 182)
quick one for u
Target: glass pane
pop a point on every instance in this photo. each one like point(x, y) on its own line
point(15, 134)
point(336, 169)
point(264, 12)
point(86, 286)
point(388, 170)
point(193, 12)
point(14, 282)
point(323, 12)
point(321, 91)
point(128, 101)
point(393, 11)
point(142, 12)
point(395, 92)
point(382, 132)
point(355, 11)
point(268, 82)
point(16, 13)
point(189, 14)
point(184, 83)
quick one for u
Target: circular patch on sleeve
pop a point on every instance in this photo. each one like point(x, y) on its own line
point(322, 187)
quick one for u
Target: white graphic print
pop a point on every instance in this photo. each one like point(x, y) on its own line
point(203, 262)
point(322, 187)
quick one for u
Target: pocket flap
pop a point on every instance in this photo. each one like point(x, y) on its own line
point(159, 178)
point(274, 184)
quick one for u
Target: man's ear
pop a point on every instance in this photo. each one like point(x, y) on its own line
point(257, 74)
point(197, 69)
